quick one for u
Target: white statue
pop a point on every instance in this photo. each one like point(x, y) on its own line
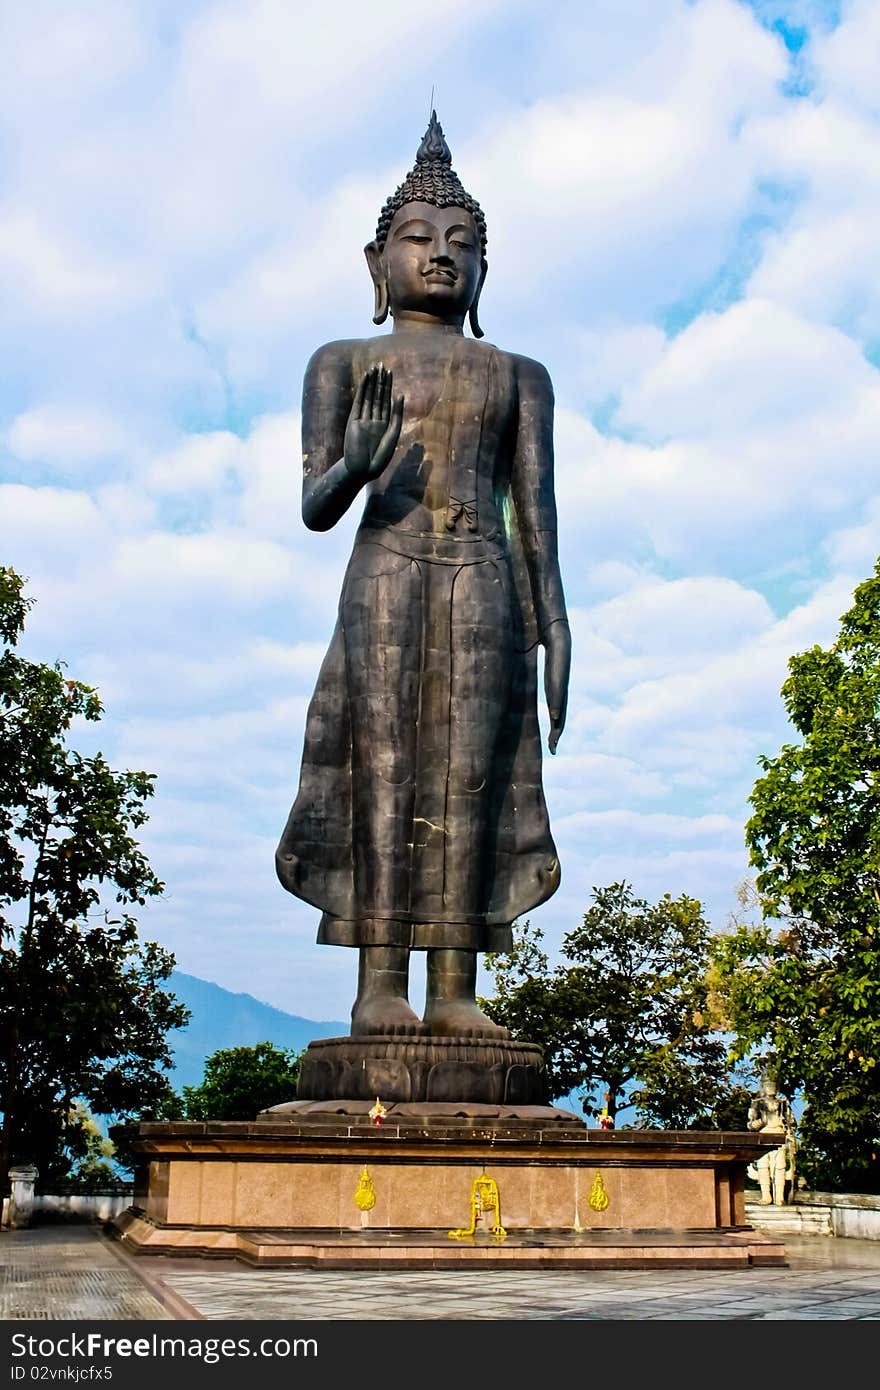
point(771, 1113)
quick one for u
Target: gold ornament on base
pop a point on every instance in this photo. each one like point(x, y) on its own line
point(484, 1197)
point(599, 1199)
point(365, 1193)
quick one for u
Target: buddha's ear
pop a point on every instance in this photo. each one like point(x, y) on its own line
point(472, 312)
point(380, 282)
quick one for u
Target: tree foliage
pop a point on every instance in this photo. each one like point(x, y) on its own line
point(238, 1082)
point(625, 1021)
point(83, 1016)
point(804, 981)
point(241, 1081)
point(95, 1167)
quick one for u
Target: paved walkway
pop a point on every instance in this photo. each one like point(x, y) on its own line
point(75, 1272)
point(70, 1272)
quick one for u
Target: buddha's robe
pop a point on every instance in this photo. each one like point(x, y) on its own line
point(420, 818)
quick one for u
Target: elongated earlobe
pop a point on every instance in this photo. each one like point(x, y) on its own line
point(380, 309)
point(473, 320)
point(380, 283)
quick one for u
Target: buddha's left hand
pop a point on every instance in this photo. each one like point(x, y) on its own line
point(557, 666)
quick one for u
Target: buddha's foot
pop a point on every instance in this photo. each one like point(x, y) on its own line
point(384, 1015)
point(460, 1018)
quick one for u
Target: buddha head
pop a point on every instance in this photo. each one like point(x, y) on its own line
point(429, 253)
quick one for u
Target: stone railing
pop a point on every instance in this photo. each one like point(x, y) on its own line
point(102, 1204)
point(850, 1214)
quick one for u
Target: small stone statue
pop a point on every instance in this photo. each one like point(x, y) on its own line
point(771, 1113)
point(420, 821)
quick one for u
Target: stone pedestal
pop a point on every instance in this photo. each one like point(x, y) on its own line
point(318, 1183)
point(424, 1069)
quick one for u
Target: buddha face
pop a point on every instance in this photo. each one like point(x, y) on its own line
point(432, 261)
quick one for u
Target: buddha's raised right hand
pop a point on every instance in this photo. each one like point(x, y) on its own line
point(373, 427)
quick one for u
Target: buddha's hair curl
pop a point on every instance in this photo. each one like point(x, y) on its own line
point(432, 180)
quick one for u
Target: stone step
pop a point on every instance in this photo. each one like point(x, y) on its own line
point(790, 1220)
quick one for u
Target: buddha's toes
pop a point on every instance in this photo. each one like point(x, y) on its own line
point(460, 1018)
point(388, 1016)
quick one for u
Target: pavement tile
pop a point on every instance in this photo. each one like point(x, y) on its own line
point(69, 1273)
point(76, 1272)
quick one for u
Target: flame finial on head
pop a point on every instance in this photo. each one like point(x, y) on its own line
point(434, 144)
point(432, 180)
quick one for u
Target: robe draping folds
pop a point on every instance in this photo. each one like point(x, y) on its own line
point(420, 818)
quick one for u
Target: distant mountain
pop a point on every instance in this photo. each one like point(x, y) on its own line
point(223, 1019)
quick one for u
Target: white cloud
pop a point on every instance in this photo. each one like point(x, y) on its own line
point(56, 522)
point(200, 463)
point(735, 373)
point(709, 874)
point(611, 357)
point(819, 145)
point(826, 267)
point(247, 671)
point(271, 473)
point(596, 778)
point(846, 58)
point(744, 411)
point(651, 827)
point(823, 261)
point(124, 508)
point(314, 272)
point(683, 620)
point(56, 273)
point(854, 549)
point(621, 194)
point(231, 567)
point(231, 751)
point(64, 54)
point(66, 435)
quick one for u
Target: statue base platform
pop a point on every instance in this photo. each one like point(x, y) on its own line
point(320, 1184)
point(483, 1070)
point(408, 1249)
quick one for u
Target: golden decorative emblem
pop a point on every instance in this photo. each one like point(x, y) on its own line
point(365, 1195)
point(599, 1198)
point(484, 1197)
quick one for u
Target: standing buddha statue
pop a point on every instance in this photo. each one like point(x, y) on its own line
point(420, 821)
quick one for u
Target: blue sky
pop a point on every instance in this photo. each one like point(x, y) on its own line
point(683, 204)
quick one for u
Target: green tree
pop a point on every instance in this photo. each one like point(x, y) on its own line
point(82, 1012)
point(95, 1166)
point(803, 983)
point(240, 1081)
point(626, 1022)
